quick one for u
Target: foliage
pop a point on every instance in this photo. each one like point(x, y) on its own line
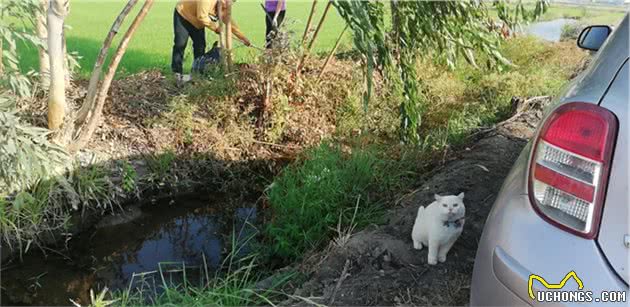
point(26, 155)
point(129, 178)
point(467, 98)
point(446, 30)
point(366, 19)
point(11, 33)
point(513, 14)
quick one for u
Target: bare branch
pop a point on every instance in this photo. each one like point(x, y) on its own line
point(308, 22)
point(98, 64)
point(92, 121)
point(310, 45)
point(332, 52)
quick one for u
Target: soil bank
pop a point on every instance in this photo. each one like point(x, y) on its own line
point(378, 266)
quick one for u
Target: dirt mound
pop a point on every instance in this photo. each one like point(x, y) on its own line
point(378, 266)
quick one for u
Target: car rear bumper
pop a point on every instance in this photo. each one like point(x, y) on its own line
point(516, 243)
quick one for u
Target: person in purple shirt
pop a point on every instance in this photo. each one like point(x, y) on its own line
point(275, 10)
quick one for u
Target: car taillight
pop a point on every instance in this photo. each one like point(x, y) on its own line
point(569, 168)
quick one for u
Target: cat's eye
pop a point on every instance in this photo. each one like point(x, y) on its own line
point(455, 205)
point(444, 205)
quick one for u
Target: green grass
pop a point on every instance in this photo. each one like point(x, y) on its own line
point(329, 191)
point(150, 48)
point(46, 206)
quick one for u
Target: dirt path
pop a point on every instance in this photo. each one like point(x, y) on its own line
point(378, 266)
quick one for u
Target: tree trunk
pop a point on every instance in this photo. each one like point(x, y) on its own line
point(332, 52)
point(66, 67)
point(308, 22)
point(57, 11)
point(228, 35)
point(222, 43)
point(98, 65)
point(42, 33)
point(90, 126)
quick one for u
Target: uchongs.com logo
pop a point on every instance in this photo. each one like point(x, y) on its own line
point(553, 293)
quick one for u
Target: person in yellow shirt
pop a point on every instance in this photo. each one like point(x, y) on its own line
point(190, 19)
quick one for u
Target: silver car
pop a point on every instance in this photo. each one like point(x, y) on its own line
point(558, 233)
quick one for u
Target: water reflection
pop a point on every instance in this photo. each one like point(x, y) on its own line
point(183, 240)
point(166, 244)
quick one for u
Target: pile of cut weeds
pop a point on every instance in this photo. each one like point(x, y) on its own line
point(146, 113)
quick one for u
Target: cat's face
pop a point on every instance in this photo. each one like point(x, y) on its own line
point(451, 206)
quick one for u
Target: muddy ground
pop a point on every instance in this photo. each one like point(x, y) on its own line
point(378, 266)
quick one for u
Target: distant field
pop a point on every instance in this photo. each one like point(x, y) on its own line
point(150, 48)
point(587, 14)
point(90, 20)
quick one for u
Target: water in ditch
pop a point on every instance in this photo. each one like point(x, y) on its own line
point(165, 243)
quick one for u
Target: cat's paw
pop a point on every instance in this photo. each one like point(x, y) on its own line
point(417, 245)
point(432, 261)
point(442, 258)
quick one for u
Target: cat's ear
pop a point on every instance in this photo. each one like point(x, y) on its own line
point(437, 197)
point(461, 195)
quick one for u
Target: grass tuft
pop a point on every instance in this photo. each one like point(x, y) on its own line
point(234, 284)
point(331, 189)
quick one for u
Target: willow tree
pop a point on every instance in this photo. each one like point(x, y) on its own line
point(446, 30)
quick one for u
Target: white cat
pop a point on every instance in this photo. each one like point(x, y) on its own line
point(439, 225)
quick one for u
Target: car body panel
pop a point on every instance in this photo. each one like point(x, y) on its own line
point(591, 85)
point(614, 224)
point(517, 242)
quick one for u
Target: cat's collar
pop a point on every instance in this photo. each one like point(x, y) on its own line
point(455, 223)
